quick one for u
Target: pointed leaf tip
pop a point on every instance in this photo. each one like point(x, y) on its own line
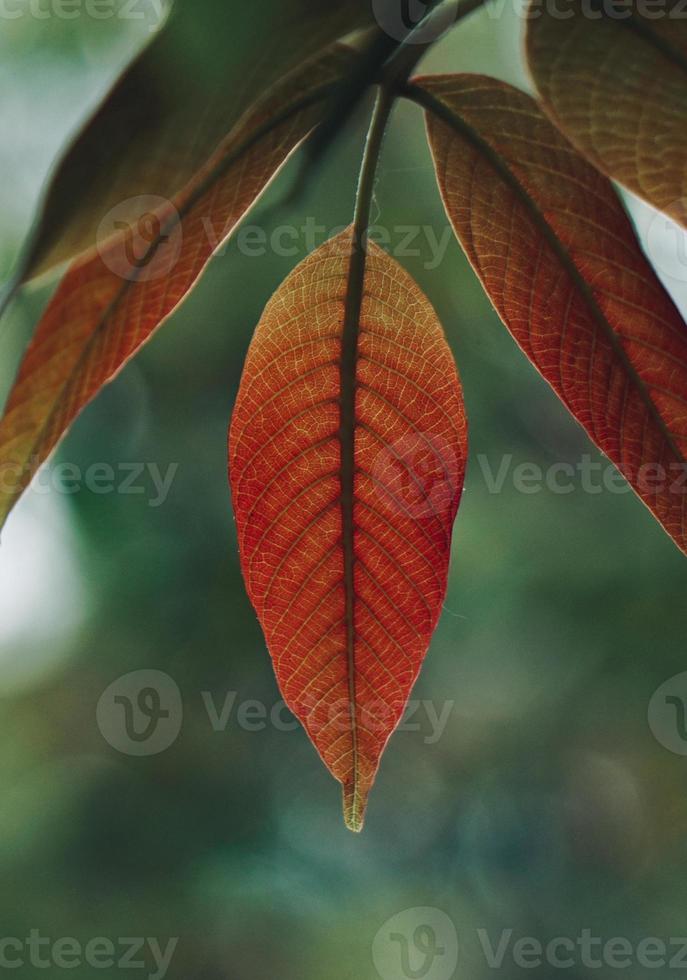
point(354, 806)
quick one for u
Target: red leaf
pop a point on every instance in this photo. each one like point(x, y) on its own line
point(111, 301)
point(347, 647)
point(557, 255)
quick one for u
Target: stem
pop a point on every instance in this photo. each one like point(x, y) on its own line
point(354, 800)
point(406, 57)
point(384, 61)
point(368, 169)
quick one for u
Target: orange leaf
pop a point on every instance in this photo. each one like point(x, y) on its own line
point(348, 586)
point(557, 255)
point(617, 87)
point(111, 301)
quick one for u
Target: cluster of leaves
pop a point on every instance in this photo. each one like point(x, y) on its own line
point(348, 440)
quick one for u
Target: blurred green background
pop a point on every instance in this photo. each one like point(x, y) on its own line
point(546, 806)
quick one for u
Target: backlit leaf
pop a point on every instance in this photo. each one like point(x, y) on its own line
point(172, 107)
point(617, 87)
point(112, 300)
point(557, 255)
point(348, 587)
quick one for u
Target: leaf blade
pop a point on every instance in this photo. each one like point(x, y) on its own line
point(618, 90)
point(170, 110)
point(112, 300)
point(560, 262)
point(287, 487)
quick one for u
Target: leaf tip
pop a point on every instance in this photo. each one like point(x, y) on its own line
point(354, 806)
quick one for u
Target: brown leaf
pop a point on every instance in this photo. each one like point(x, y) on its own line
point(172, 107)
point(618, 89)
point(557, 255)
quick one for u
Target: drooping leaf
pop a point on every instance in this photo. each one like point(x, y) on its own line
point(344, 519)
point(617, 87)
point(547, 236)
point(172, 107)
point(112, 300)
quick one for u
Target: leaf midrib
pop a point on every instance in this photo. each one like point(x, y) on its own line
point(347, 417)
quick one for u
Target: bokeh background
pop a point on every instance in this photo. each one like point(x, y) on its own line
point(546, 806)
